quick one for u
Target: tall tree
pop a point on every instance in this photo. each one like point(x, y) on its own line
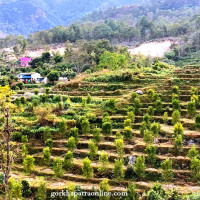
point(6, 153)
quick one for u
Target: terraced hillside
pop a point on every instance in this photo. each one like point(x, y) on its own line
point(126, 112)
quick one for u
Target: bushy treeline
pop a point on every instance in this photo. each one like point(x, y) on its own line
point(134, 23)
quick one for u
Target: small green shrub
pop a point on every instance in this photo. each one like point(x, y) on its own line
point(96, 135)
point(68, 163)
point(167, 172)
point(175, 90)
point(131, 192)
point(28, 164)
point(178, 130)
point(197, 121)
point(195, 99)
point(175, 117)
point(178, 143)
point(127, 122)
point(105, 188)
point(165, 118)
point(191, 108)
point(58, 167)
point(140, 166)
point(150, 94)
point(128, 133)
point(118, 170)
point(150, 111)
point(62, 126)
point(89, 99)
point(159, 106)
point(71, 144)
point(119, 136)
point(147, 120)
point(131, 116)
point(103, 161)
point(119, 143)
point(151, 154)
point(87, 168)
point(41, 192)
point(194, 91)
point(46, 155)
point(85, 126)
point(193, 152)
point(143, 127)
point(36, 91)
point(155, 129)
point(111, 104)
point(49, 143)
point(26, 189)
point(93, 150)
point(155, 97)
point(23, 100)
point(74, 133)
point(24, 151)
point(107, 128)
point(137, 105)
point(16, 136)
point(16, 190)
point(176, 104)
point(134, 95)
point(148, 137)
point(195, 168)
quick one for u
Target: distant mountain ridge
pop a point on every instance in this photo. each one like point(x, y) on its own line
point(27, 16)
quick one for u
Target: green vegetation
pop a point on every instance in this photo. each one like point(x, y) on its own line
point(99, 126)
point(140, 166)
point(58, 167)
point(87, 168)
point(167, 172)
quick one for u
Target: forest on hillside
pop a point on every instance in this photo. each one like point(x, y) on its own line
point(24, 17)
point(129, 25)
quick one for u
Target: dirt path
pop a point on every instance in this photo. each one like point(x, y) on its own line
point(153, 49)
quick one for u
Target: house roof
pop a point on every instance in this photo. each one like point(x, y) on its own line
point(28, 73)
point(25, 59)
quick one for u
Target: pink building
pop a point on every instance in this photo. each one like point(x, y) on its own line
point(25, 61)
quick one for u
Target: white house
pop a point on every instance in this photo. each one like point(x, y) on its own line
point(30, 77)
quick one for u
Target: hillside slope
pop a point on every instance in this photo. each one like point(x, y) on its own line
point(24, 17)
